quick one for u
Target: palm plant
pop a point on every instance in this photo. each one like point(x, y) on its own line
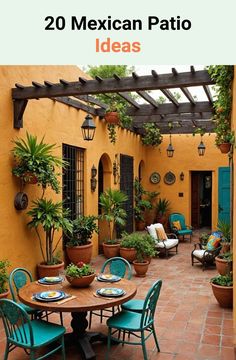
point(51, 217)
point(225, 228)
point(111, 202)
point(34, 159)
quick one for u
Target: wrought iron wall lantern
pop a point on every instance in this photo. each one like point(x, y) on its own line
point(116, 169)
point(201, 148)
point(93, 179)
point(181, 176)
point(88, 128)
point(170, 149)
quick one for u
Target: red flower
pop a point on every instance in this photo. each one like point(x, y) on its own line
point(80, 264)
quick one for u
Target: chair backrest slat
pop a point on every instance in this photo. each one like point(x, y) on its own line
point(118, 266)
point(149, 306)
point(16, 323)
point(17, 279)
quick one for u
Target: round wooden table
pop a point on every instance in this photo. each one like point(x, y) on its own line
point(82, 301)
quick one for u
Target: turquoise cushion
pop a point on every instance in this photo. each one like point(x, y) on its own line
point(126, 320)
point(185, 232)
point(133, 305)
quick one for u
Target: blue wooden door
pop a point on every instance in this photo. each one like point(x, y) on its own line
point(224, 194)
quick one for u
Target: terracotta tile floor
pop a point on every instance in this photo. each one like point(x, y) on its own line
point(190, 325)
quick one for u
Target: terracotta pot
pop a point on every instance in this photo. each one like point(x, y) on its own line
point(49, 270)
point(140, 268)
point(4, 295)
point(84, 281)
point(111, 250)
point(30, 178)
point(223, 266)
point(128, 253)
point(80, 253)
point(140, 225)
point(225, 148)
point(224, 295)
point(112, 117)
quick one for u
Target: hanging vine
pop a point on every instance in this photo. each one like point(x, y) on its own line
point(223, 77)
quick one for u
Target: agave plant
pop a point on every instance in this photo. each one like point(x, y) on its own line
point(225, 228)
point(35, 159)
point(51, 217)
point(111, 202)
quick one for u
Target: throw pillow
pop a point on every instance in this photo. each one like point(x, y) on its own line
point(213, 242)
point(177, 224)
point(161, 235)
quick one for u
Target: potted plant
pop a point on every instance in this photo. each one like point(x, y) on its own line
point(50, 217)
point(79, 247)
point(225, 229)
point(35, 162)
point(162, 209)
point(4, 264)
point(145, 250)
point(143, 203)
point(127, 247)
point(111, 202)
point(224, 263)
point(112, 116)
point(80, 275)
point(152, 135)
point(222, 286)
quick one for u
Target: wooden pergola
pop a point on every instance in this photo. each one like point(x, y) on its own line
point(81, 94)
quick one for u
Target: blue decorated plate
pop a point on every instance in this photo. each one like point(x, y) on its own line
point(110, 292)
point(48, 280)
point(108, 277)
point(53, 295)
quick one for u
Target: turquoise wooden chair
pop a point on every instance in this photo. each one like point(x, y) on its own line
point(184, 229)
point(115, 266)
point(18, 278)
point(141, 325)
point(29, 334)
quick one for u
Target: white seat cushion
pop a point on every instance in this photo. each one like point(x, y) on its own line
point(168, 243)
point(199, 253)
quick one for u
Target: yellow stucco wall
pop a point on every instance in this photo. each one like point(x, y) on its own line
point(185, 159)
point(61, 124)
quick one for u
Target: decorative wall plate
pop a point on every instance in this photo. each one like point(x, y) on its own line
point(155, 178)
point(169, 178)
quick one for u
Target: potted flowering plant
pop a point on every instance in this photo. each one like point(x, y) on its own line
point(80, 275)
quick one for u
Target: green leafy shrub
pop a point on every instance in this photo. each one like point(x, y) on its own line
point(82, 230)
point(79, 270)
point(223, 280)
point(4, 264)
point(144, 244)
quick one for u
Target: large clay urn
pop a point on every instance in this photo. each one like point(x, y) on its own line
point(49, 270)
point(223, 294)
point(80, 253)
point(128, 253)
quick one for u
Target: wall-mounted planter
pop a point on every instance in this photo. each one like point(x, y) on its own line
point(225, 148)
point(112, 117)
point(21, 201)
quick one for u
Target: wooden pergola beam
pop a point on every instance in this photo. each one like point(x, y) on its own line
point(129, 99)
point(185, 129)
point(84, 87)
point(208, 93)
point(165, 109)
point(76, 104)
point(148, 98)
point(137, 120)
point(170, 96)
